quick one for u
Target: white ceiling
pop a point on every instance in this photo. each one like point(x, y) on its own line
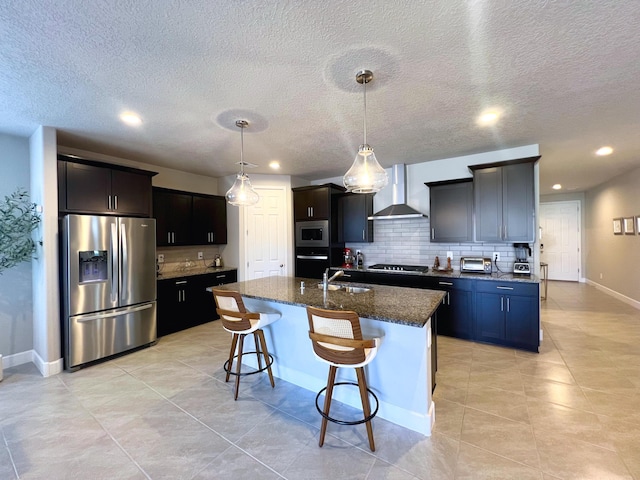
point(564, 73)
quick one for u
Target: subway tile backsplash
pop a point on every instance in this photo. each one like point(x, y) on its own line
point(407, 241)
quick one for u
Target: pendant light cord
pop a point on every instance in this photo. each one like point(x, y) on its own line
point(364, 122)
point(242, 150)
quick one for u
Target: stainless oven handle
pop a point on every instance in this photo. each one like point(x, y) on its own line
point(312, 257)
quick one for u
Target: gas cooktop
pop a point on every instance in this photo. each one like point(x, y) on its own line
point(392, 267)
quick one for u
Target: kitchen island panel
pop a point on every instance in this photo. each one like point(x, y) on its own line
point(400, 375)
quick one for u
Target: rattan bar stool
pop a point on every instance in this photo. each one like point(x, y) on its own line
point(336, 338)
point(240, 323)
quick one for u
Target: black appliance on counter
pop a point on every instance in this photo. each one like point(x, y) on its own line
point(392, 267)
point(521, 266)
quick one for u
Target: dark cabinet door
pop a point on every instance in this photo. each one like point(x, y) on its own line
point(504, 202)
point(490, 317)
point(451, 211)
point(172, 211)
point(174, 306)
point(455, 314)
point(518, 203)
point(522, 328)
point(185, 302)
point(487, 186)
point(131, 193)
point(355, 210)
point(209, 220)
point(88, 189)
point(311, 203)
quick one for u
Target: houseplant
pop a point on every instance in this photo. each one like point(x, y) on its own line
point(18, 219)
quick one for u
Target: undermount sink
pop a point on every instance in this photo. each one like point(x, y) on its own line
point(346, 288)
point(332, 286)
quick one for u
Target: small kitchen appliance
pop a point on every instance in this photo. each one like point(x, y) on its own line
point(475, 265)
point(348, 258)
point(521, 266)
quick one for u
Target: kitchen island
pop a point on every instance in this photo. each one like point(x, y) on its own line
point(400, 375)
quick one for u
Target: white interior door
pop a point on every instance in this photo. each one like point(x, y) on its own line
point(560, 239)
point(266, 245)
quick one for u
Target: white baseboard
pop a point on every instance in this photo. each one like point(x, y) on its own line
point(45, 368)
point(613, 293)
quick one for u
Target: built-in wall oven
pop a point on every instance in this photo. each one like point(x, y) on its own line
point(313, 233)
point(311, 262)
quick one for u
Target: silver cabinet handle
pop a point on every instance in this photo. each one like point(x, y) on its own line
point(508, 304)
point(181, 282)
point(433, 233)
point(115, 202)
point(502, 304)
point(173, 237)
point(445, 283)
point(221, 276)
point(363, 234)
point(448, 298)
point(504, 288)
point(312, 257)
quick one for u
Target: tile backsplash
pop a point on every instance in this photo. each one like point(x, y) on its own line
point(176, 258)
point(407, 241)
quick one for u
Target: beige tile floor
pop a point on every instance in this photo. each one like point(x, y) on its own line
point(572, 411)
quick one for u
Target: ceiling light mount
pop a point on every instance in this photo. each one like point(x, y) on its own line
point(365, 175)
point(241, 193)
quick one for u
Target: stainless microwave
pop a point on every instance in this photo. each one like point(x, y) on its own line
point(314, 233)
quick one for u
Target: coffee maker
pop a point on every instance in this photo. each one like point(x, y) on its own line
point(521, 265)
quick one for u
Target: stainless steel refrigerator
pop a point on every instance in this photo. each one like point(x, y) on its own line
point(109, 286)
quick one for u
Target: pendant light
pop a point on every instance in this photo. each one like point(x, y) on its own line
point(242, 194)
point(365, 175)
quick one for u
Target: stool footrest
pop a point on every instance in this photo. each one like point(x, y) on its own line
point(346, 422)
point(268, 361)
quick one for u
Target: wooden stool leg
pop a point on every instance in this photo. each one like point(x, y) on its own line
point(265, 352)
point(327, 401)
point(232, 352)
point(366, 408)
point(255, 340)
point(240, 347)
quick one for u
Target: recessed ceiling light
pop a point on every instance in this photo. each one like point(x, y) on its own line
point(557, 186)
point(131, 119)
point(602, 151)
point(275, 165)
point(490, 117)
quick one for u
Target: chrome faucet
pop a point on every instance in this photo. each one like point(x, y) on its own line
point(326, 280)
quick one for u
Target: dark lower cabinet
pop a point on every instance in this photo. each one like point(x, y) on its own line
point(455, 314)
point(508, 313)
point(184, 302)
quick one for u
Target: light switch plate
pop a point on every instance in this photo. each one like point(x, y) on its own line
point(200, 255)
point(496, 256)
point(160, 258)
point(450, 255)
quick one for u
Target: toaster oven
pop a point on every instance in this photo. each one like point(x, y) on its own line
point(475, 265)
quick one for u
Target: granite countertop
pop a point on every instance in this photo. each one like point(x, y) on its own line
point(405, 306)
point(495, 276)
point(191, 271)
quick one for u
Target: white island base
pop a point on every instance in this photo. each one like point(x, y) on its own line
point(400, 375)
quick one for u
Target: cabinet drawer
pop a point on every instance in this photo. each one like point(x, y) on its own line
point(451, 284)
point(507, 288)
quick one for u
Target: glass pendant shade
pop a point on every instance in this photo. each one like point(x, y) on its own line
point(241, 193)
point(365, 175)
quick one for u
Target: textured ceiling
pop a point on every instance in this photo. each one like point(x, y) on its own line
point(565, 74)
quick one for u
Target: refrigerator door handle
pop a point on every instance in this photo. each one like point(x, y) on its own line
point(124, 278)
point(114, 263)
point(113, 313)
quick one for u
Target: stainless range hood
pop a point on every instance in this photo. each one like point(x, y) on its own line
point(399, 208)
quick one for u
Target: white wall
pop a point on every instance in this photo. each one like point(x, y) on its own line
point(16, 316)
point(47, 354)
point(615, 257)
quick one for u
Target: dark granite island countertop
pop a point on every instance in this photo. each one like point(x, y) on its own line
point(405, 306)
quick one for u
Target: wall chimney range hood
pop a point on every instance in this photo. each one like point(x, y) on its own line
point(399, 208)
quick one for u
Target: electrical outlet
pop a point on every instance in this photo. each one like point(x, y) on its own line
point(450, 255)
point(160, 258)
point(496, 256)
point(600, 276)
point(200, 255)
